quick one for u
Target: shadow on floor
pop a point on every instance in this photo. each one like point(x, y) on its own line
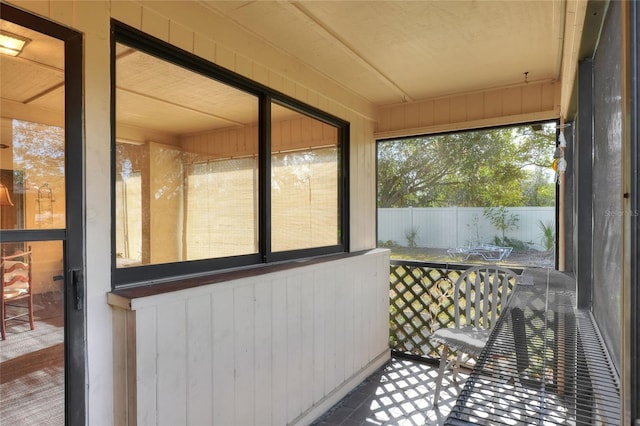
point(399, 393)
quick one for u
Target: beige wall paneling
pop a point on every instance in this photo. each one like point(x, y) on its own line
point(155, 24)
point(181, 36)
point(92, 19)
point(220, 41)
point(527, 102)
point(127, 12)
point(39, 7)
point(268, 349)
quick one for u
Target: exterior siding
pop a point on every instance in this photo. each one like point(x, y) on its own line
point(276, 349)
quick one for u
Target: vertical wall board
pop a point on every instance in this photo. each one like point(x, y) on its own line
point(263, 311)
point(155, 24)
point(442, 111)
point(475, 106)
point(260, 74)
point(244, 349)
point(199, 360)
point(307, 311)
point(223, 357)
point(225, 57)
point(181, 36)
point(532, 98)
point(458, 109)
point(512, 101)
point(397, 116)
point(342, 344)
point(412, 115)
point(361, 308)
point(172, 363)
point(382, 278)
point(548, 96)
point(330, 350)
point(279, 368)
point(312, 98)
point(294, 347)
point(349, 329)
point(289, 88)
point(427, 113)
point(244, 66)
point(301, 93)
point(146, 368)
point(120, 376)
point(204, 47)
point(383, 121)
point(63, 12)
point(319, 324)
point(296, 130)
point(492, 104)
point(127, 12)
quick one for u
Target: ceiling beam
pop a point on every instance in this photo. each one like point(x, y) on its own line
point(313, 21)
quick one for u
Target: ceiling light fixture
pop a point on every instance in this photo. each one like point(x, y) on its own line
point(12, 44)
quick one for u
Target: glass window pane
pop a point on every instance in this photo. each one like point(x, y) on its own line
point(33, 367)
point(32, 137)
point(186, 164)
point(304, 182)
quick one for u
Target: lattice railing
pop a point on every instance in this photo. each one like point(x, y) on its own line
point(421, 301)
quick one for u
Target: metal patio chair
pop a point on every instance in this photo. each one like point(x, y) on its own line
point(479, 296)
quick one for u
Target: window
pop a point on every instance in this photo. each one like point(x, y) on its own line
point(213, 171)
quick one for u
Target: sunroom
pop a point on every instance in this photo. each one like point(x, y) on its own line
point(193, 187)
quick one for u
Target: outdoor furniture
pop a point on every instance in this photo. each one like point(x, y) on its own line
point(15, 275)
point(489, 252)
point(479, 295)
point(544, 362)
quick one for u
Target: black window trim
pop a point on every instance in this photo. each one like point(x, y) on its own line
point(149, 274)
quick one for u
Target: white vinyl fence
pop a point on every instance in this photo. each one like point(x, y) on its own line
point(447, 227)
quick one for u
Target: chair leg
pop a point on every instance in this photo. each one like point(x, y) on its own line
point(3, 329)
point(443, 366)
point(456, 366)
point(31, 321)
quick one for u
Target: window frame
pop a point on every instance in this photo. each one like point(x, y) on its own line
point(158, 273)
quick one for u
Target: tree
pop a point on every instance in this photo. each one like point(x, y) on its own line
point(476, 168)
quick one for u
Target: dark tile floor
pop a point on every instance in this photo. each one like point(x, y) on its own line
point(400, 393)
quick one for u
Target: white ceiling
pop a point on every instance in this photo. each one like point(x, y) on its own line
point(385, 51)
point(399, 51)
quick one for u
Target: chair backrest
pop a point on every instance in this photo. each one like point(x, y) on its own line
point(15, 271)
point(480, 294)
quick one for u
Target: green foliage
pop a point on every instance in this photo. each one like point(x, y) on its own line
point(514, 243)
point(411, 236)
point(469, 169)
point(501, 219)
point(387, 244)
point(547, 234)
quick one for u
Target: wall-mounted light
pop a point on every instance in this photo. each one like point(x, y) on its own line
point(12, 44)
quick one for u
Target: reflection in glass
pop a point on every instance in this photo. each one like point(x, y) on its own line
point(34, 177)
point(32, 360)
point(304, 182)
point(186, 164)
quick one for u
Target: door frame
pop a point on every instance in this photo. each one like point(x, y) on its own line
point(73, 236)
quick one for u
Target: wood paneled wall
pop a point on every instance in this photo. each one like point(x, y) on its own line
point(518, 104)
point(276, 349)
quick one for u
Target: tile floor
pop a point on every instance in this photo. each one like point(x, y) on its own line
point(400, 393)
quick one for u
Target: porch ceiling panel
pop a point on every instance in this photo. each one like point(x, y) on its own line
point(392, 51)
point(385, 52)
